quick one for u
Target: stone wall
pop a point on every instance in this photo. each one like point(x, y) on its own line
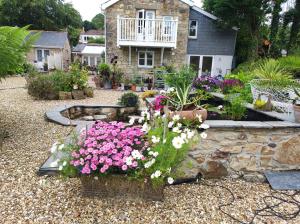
point(246, 152)
point(128, 8)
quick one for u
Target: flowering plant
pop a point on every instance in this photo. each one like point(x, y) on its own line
point(207, 83)
point(151, 151)
point(229, 84)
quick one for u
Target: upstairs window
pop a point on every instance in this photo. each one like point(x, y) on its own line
point(146, 59)
point(193, 27)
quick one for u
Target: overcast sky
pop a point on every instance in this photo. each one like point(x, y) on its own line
point(89, 8)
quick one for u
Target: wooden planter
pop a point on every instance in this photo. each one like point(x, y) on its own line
point(120, 186)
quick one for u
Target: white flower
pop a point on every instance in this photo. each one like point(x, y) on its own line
point(128, 161)
point(136, 154)
point(145, 114)
point(171, 123)
point(61, 147)
point(176, 117)
point(54, 148)
point(152, 176)
point(177, 142)
point(199, 116)
point(131, 121)
point(141, 120)
point(162, 92)
point(190, 134)
point(65, 163)
point(60, 168)
point(148, 149)
point(164, 141)
point(170, 180)
point(157, 174)
point(176, 130)
point(155, 154)
point(96, 178)
point(220, 107)
point(146, 128)
point(169, 170)
point(203, 135)
point(157, 113)
point(155, 139)
point(204, 126)
point(170, 90)
point(179, 125)
point(149, 163)
point(75, 87)
point(184, 137)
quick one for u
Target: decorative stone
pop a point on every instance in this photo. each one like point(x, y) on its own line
point(220, 155)
point(213, 169)
point(265, 161)
point(255, 177)
point(189, 168)
point(252, 148)
point(266, 150)
point(288, 152)
point(232, 149)
point(243, 163)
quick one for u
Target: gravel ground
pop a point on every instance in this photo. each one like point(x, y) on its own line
point(27, 198)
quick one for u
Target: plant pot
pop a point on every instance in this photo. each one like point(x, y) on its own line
point(126, 87)
point(107, 85)
point(133, 87)
point(297, 112)
point(120, 186)
point(190, 115)
point(78, 94)
point(89, 92)
point(62, 95)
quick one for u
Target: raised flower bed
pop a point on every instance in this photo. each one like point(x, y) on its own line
point(113, 159)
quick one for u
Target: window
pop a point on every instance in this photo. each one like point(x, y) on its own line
point(146, 59)
point(193, 26)
point(167, 25)
point(42, 55)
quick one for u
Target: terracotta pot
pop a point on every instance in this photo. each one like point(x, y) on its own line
point(190, 114)
point(297, 112)
point(133, 88)
point(120, 186)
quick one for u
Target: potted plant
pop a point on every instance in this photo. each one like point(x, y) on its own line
point(105, 72)
point(129, 100)
point(180, 99)
point(296, 106)
point(45, 66)
point(133, 85)
point(112, 159)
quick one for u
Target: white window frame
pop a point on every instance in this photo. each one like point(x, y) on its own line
point(146, 59)
point(43, 54)
point(193, 37)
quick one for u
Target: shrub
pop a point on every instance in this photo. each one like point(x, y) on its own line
point(291, 64)
point(207, 83)
point(42, 87)
point(129, 100)
point(235, 109)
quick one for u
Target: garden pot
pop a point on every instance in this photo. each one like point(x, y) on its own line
point(120, 186)
point(107, 85)
point(297, 112)
point(133, 88)
point(126, 87)
point(89, 92)
point(78, 94)
point(64, 95)
point(190, 115)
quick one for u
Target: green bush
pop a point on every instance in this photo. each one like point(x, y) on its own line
point(129, 100)
point(235, 109)
point(100, 40)
point(42, 87)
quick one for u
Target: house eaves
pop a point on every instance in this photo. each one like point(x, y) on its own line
point(109, 3)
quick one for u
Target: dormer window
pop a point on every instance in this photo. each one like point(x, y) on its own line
point(193, 27)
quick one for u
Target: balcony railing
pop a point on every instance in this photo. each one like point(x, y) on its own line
point(147, 32)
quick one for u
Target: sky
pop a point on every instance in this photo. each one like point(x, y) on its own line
point(89, 8)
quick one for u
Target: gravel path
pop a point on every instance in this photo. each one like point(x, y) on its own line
point(27, 198)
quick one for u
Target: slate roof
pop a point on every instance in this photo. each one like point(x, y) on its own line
point(78, 48)
point(51, 39)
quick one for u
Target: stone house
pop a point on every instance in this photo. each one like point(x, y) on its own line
point(51, 48)
point(144, 35)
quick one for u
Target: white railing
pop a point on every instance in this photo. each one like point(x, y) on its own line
point(147, 32)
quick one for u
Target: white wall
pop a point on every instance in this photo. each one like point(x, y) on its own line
point(222, 64)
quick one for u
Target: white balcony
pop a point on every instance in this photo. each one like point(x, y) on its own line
point(147, 32)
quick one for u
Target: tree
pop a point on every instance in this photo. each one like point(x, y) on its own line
point(248, 16)
point(295, 29)
point(98, 20)
point(275, 26)
point(14, 44)
point(88, 25)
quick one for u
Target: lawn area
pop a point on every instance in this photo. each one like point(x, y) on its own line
point(28, 198)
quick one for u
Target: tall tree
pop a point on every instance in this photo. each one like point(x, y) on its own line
point(295, 29)
point(98, 20)
point(14, 44)
point(87, 25)
point(248, 15)
point(275, 25)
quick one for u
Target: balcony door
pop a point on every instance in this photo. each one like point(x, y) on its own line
point(201, 64)
point(146, 25)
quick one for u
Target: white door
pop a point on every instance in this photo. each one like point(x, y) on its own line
point(145, 25)
point(201, 64)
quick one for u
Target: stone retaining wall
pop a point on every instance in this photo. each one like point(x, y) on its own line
point(246, 152)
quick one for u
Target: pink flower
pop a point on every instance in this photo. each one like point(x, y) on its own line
point(124, 167)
